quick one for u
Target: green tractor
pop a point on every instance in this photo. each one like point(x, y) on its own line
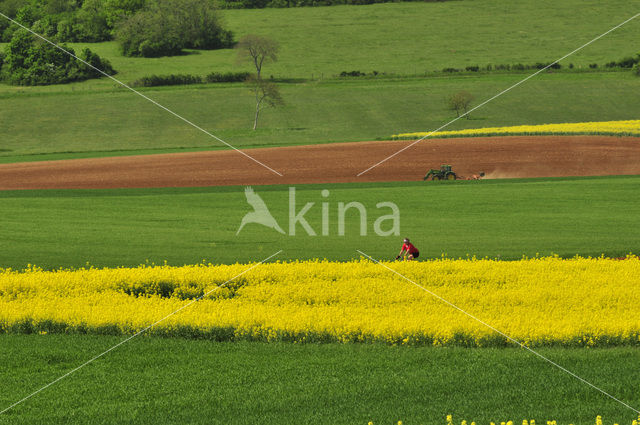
point(444, 173)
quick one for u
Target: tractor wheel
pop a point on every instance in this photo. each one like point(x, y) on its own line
point(451, 176)
point(436, 178)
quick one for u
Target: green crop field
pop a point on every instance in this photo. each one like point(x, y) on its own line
point(169, 381)
point(506, 219)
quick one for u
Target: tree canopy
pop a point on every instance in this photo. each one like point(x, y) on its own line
point(30, 61)
point(166, 27)
point(257, 50)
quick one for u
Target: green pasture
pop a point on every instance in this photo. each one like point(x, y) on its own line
point(110, 122)
point(169, 381)
point(409, 38)
point(505, 219)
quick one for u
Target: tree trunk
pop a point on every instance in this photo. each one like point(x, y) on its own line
point(258, 101)
point(255, 121)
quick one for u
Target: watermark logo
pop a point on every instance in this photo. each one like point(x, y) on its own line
point(384, 224)
point(260, 213)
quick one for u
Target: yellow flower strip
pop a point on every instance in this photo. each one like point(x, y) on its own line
point(623, 128)
point(549, 301)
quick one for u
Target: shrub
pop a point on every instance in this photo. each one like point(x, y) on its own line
point(473, 68)
point(94, 60)
point(352, 74)
point(116, 10)
point(450, 70)
point(229, 77)
point(142, 35)
point(201, 26)
point(29, 62)
point(90, 23)
point(165, 27)
point(47, 26)
point(627, 62)
point(29, 14)
point(6, 31)
point(593, 65)
point(167, 80)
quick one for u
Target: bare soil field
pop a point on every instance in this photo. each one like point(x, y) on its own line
point(498, 157)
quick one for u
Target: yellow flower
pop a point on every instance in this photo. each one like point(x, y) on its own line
point(629, 127)
point(307, 301)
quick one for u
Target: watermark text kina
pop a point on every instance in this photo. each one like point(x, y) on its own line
point(384, 224)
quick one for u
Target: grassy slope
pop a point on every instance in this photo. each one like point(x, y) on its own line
point(403, 38)
point(493, 218)
point(315, 112)
point(406, 38)
point(163, 381)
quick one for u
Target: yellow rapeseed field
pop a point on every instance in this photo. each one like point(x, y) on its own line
point(598, 421)
point(450, 421)
point(545, 301)
point(621, 128)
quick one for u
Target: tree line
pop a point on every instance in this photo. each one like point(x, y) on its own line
point(147, 28)
point(142, 27)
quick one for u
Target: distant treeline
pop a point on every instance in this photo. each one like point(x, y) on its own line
point(260, 4)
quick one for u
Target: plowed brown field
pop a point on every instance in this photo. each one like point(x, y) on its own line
point(498, 157)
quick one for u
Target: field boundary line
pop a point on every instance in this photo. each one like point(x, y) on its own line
point(143, 96)
point(136, 334)
point(499, 332)
point(498, 95)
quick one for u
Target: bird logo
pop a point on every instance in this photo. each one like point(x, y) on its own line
point(260, 213)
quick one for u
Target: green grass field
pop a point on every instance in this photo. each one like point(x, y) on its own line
point(506, 219)
point(99, 123)
point(409, 38)
point(169, 381)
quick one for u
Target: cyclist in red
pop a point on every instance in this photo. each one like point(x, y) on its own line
point(408, 250)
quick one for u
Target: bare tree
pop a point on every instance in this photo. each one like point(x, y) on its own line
point(266, 93)
point(257, 50)
point(460, 101)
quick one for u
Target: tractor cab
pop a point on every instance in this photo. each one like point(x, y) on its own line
point(444, 173)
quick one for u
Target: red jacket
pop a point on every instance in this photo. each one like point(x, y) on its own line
point(409, 247)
